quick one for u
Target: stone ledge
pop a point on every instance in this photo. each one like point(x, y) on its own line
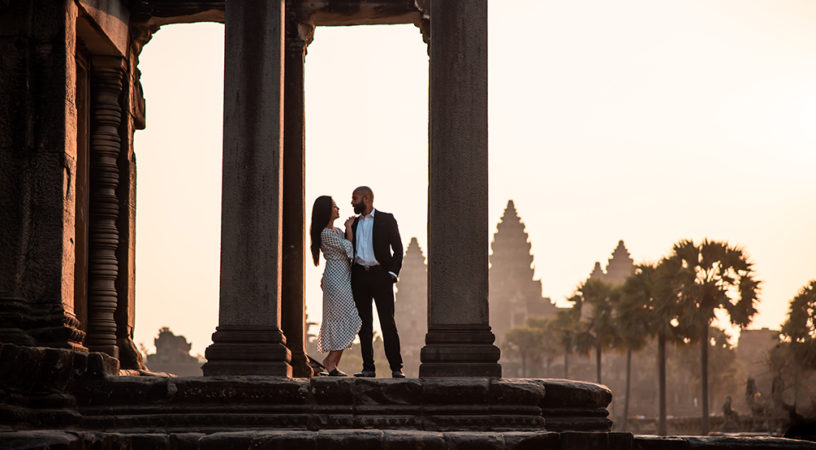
point(255, 402)
point(349, 439)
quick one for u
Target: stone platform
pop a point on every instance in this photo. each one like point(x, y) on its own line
point(346, 439)
point(60, 399)
point(429, 404)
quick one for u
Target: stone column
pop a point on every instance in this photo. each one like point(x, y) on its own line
point(294, 228)
point(459, 341)
point(103, 266)
point(248, 339)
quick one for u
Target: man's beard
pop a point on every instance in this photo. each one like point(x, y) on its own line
point(359, 208)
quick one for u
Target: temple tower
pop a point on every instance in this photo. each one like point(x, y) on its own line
point(411, 306)
point(514, 294)
point(620, 266)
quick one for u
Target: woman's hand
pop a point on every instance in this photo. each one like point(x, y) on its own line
point(349, 222)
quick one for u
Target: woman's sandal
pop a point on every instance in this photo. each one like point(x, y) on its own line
point(337, 373)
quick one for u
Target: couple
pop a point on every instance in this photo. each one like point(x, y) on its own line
point(362, 263)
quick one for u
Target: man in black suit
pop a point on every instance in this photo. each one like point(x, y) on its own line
point(377, 262)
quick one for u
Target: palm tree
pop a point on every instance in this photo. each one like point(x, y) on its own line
point(631, 318)
point(651, 302)
point(565, 327)
point(550, 338)
point(593, 303)
point(526, 342)
point(799, 331)
point(714, 276)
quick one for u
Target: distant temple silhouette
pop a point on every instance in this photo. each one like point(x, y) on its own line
point(173, 355)
point(618, 268)
point(411, 306)
point(514, 294)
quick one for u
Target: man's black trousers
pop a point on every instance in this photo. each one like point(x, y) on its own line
point(376, 283)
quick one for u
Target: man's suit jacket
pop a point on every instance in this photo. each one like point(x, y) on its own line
point(385, 238)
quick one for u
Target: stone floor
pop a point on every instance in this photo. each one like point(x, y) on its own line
point(381, 439)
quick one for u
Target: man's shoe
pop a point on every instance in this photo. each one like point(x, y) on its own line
point(365, 374)
point(397, 374)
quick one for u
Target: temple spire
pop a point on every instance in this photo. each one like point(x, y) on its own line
point(514, 294)
point(411, 306)
point(620, 265)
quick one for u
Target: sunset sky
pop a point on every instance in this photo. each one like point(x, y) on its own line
point(636, 120)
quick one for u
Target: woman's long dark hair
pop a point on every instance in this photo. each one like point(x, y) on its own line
point(321, 215)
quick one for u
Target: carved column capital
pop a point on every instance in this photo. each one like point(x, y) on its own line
point(298, 36)
point(424, 7)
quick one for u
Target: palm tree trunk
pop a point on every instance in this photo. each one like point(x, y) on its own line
point(598, 361)
point(628, 383)
point(704, 378)
point(661, 381)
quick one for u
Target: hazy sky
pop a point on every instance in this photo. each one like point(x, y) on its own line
point(636, 120)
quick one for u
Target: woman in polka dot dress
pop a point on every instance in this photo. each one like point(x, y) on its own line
point(341, 322)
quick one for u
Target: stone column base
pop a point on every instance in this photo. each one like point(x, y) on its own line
point(460, 351)
point(248, 351)
point(39, 324)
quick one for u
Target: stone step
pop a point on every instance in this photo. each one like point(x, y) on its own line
point(346, 439)
point(433, 404)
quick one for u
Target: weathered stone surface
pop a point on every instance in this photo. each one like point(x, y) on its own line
point(463, 440)
point(455, 391)
point(765, 443)
point(115, 391)
point(620, 441)
point(351, 439)
point(573, 440)
point(285, 440)
point(333, 390)
point(659, 443)
point(575, 393)
point(243, 389)
point(413, 440)
point(517, 391)
point(47, 439)
point(531, 441)
point(404, 391)
point(153, 441)
point(239, 440)
point(185, 441)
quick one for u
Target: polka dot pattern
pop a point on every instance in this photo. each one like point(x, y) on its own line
point(341, 322)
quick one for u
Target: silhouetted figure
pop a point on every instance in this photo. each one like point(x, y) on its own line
point(730, 417)
point(758, 405)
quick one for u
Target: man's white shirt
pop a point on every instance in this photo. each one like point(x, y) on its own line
point(364, 245)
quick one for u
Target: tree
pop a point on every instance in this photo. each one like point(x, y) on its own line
point(597, 329)
point(526, 342)
point(650, 305)
point(565, 328)
point(713, 276)
point(721, 364)
point(550, 337)
point(799, 331)
point(631, 322)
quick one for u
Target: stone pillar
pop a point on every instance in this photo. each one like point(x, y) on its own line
point(103, 267)
point(248, 339)
point(294, 230)
point(459, 341)
point(38, 162)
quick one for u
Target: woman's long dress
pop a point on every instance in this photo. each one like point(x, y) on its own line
point(341, 322)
